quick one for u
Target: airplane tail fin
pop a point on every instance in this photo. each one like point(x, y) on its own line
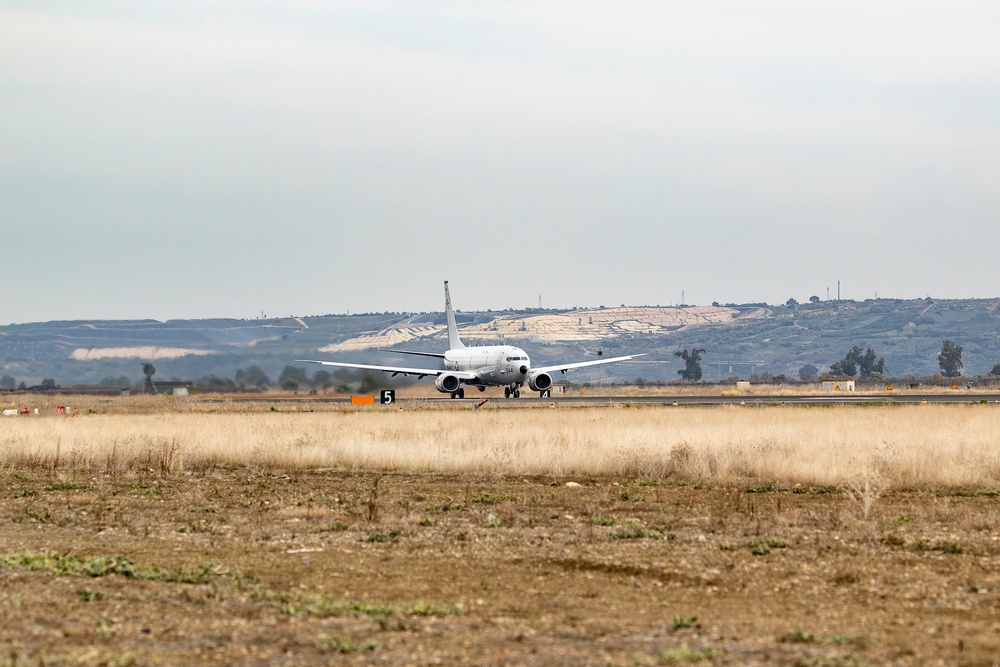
point(453, 340)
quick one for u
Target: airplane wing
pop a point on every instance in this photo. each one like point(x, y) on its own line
point(562, 368)
point(439, 355)
point(395, 370)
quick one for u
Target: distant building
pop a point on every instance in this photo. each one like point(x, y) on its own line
point(839, 385)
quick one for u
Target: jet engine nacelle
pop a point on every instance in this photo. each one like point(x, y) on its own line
point(540, 381)
point(447, 383)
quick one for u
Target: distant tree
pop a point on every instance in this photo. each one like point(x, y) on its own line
point(791, 302)
point(7, 382)
point(950, 359)
point(996, 370)
point(808, 373)
point(293, 377)
point(849, 364)
point(371, 381)
point(48, 384)
point(252, 377)
point(869, 366)
point(814, 299)
point(148, 370)
point(692, 364)
point(214, 382)
point(859, 362)
point(321, 378)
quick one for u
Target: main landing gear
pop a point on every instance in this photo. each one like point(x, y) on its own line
point(512, 390)
point(458, 393)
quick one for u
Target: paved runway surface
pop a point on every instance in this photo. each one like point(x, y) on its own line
point(748, 399)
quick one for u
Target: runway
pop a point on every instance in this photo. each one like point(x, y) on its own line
point(682, 400)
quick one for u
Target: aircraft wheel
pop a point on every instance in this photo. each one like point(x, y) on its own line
point(461, 393)
point(482, 387)
point(506, 392)
point(517, 393)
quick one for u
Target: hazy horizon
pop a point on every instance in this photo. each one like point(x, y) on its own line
point(187, 160)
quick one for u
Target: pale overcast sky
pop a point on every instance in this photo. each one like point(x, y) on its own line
point(188, 158)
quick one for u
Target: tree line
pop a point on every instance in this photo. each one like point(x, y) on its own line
point(252, 378)
point(858, 362)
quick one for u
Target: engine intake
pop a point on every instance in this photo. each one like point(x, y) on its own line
point(540, 381)
point(447, 383)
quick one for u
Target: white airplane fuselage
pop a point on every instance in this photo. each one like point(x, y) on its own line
point(494, 365)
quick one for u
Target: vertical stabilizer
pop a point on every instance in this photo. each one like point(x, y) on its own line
point(453, 340)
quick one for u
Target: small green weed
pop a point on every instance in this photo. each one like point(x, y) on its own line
point(68, 486)
point(489, 498)
point(379, 536)
point(681, 622)
point(764, 547)
point(338, 644)
point(634, 530)
point(88, 595)
point(342, 645)
point(601, 520)
point(820, 490)
point(893, 540)
point(335, 527)
point(685, 654)
point(320, 605)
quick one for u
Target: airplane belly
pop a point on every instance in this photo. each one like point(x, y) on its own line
point(487, 375)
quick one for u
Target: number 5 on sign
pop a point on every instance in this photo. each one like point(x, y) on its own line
point(388, 396)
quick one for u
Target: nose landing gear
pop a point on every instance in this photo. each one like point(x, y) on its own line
point(513, 390)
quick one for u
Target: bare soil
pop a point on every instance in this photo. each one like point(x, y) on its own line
point(320, 567)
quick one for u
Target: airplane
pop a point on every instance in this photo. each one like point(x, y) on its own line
point(480, 366)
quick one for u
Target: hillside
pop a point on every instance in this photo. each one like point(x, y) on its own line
point(738, 339)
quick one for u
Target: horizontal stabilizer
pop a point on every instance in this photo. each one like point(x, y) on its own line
point(439, 355)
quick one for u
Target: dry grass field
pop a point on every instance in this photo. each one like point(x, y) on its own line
point(153, 531)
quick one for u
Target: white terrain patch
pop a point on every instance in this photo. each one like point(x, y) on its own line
point(591, 324)
point(150, 352)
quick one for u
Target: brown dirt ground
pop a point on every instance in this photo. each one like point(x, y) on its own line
point(323, 567)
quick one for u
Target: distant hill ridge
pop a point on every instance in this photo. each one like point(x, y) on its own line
point(773, 339)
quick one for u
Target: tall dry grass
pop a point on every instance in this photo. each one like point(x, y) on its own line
point(889, 447)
